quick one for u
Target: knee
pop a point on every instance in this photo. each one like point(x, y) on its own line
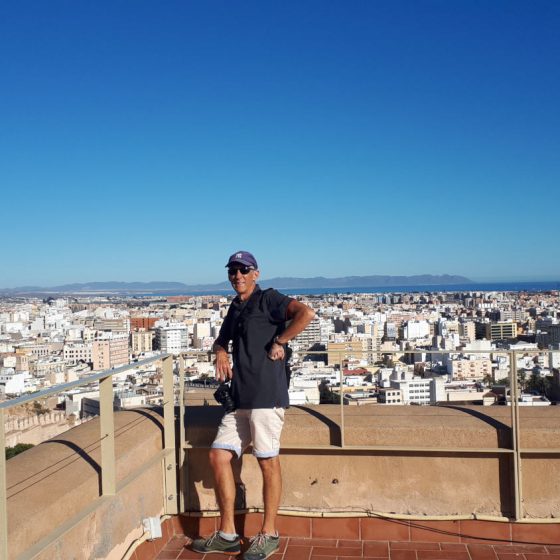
point(269, 465)
point(220, 458)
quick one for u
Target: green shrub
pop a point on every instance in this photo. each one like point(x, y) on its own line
point(19, 448)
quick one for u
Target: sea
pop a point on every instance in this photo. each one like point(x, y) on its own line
point(545, 286)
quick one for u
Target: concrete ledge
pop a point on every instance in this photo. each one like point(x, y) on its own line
point(401, 482)
point(49, 485)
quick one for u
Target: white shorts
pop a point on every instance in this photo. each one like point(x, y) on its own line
point(260, 426)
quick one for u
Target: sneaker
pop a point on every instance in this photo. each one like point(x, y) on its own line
point(262, 546)
point(216, 543)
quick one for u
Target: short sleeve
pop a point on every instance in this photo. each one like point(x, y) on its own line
point(225, 334)
point(276, 305)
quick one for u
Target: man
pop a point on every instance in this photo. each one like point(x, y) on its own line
point(256, 323)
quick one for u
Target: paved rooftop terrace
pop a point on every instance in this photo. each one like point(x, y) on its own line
point(331, 549)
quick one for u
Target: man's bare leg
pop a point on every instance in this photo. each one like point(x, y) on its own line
point(220, 460)
point(272, 492)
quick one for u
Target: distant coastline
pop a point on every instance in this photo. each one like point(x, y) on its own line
point(468, 287)
point(224, 289)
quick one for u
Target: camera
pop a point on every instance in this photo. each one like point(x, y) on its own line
point(223, 395)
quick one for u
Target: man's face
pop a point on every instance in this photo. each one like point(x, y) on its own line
point(243, 279)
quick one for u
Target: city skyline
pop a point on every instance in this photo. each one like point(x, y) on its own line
point(148, 142)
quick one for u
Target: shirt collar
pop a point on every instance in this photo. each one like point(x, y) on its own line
point(238, 301)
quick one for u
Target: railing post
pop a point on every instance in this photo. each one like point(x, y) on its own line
point(107, 426)
point(3, 492)
point(169, 462)
point(514, 395)
point(182, 405)
point(340, 360)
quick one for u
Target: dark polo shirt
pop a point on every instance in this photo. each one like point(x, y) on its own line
point(258, 382)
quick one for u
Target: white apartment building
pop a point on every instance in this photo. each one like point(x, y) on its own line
point(172, 339)
point(390, 396)
point(12, 383)
point(418, 390)
point(78, 352)
point(414, 330)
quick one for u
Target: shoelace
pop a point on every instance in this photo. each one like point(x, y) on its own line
point(258, 541)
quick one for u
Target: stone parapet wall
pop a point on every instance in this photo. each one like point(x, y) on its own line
point(38, 428)
point(51, 485)
point(421, 483)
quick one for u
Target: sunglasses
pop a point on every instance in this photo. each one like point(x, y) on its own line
point(232, 271)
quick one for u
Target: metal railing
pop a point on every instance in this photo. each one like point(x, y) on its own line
point(109, 484)
point(342, 356)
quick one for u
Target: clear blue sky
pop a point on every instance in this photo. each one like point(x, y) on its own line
point(149, 140)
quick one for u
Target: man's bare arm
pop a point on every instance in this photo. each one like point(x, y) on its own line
point(300, 316)
point(222, 363)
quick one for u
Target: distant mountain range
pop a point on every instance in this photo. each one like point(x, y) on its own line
point(377, 281)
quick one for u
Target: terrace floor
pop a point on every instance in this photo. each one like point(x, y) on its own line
point(332, 549)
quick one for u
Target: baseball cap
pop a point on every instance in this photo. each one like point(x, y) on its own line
point(243, 257)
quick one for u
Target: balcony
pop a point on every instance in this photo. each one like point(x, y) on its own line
point(373, 481)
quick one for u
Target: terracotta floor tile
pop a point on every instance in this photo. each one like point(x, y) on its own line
point(521, 548)
point(349, 543)
point(168, 555)
point(176, 543)
point(146, 551)
point(198, 526)
point(442, 555)
point(294, 526)
point(249, 524)
point(297, 552)
point(342, 528)
point(414, 546)
point(533, 533)
point(435, 531)
point(403, 555)
point(167, 530)
point(385, 529)
point(187, 554)
point(485, 532)
point(553, 549)
point(512, 556)
point(178, 524)
point(531, 556)
point(312, 542)
point(377, 549)
point(207, 525)
point(453, 546)
point(324, 551)
point(481, 552)
point(283, 544)
point(336, 551)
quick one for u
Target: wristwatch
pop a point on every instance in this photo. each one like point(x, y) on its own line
point(276, 341)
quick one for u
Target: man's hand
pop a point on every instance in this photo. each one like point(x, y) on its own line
point(223, 366)
point(276, 352)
